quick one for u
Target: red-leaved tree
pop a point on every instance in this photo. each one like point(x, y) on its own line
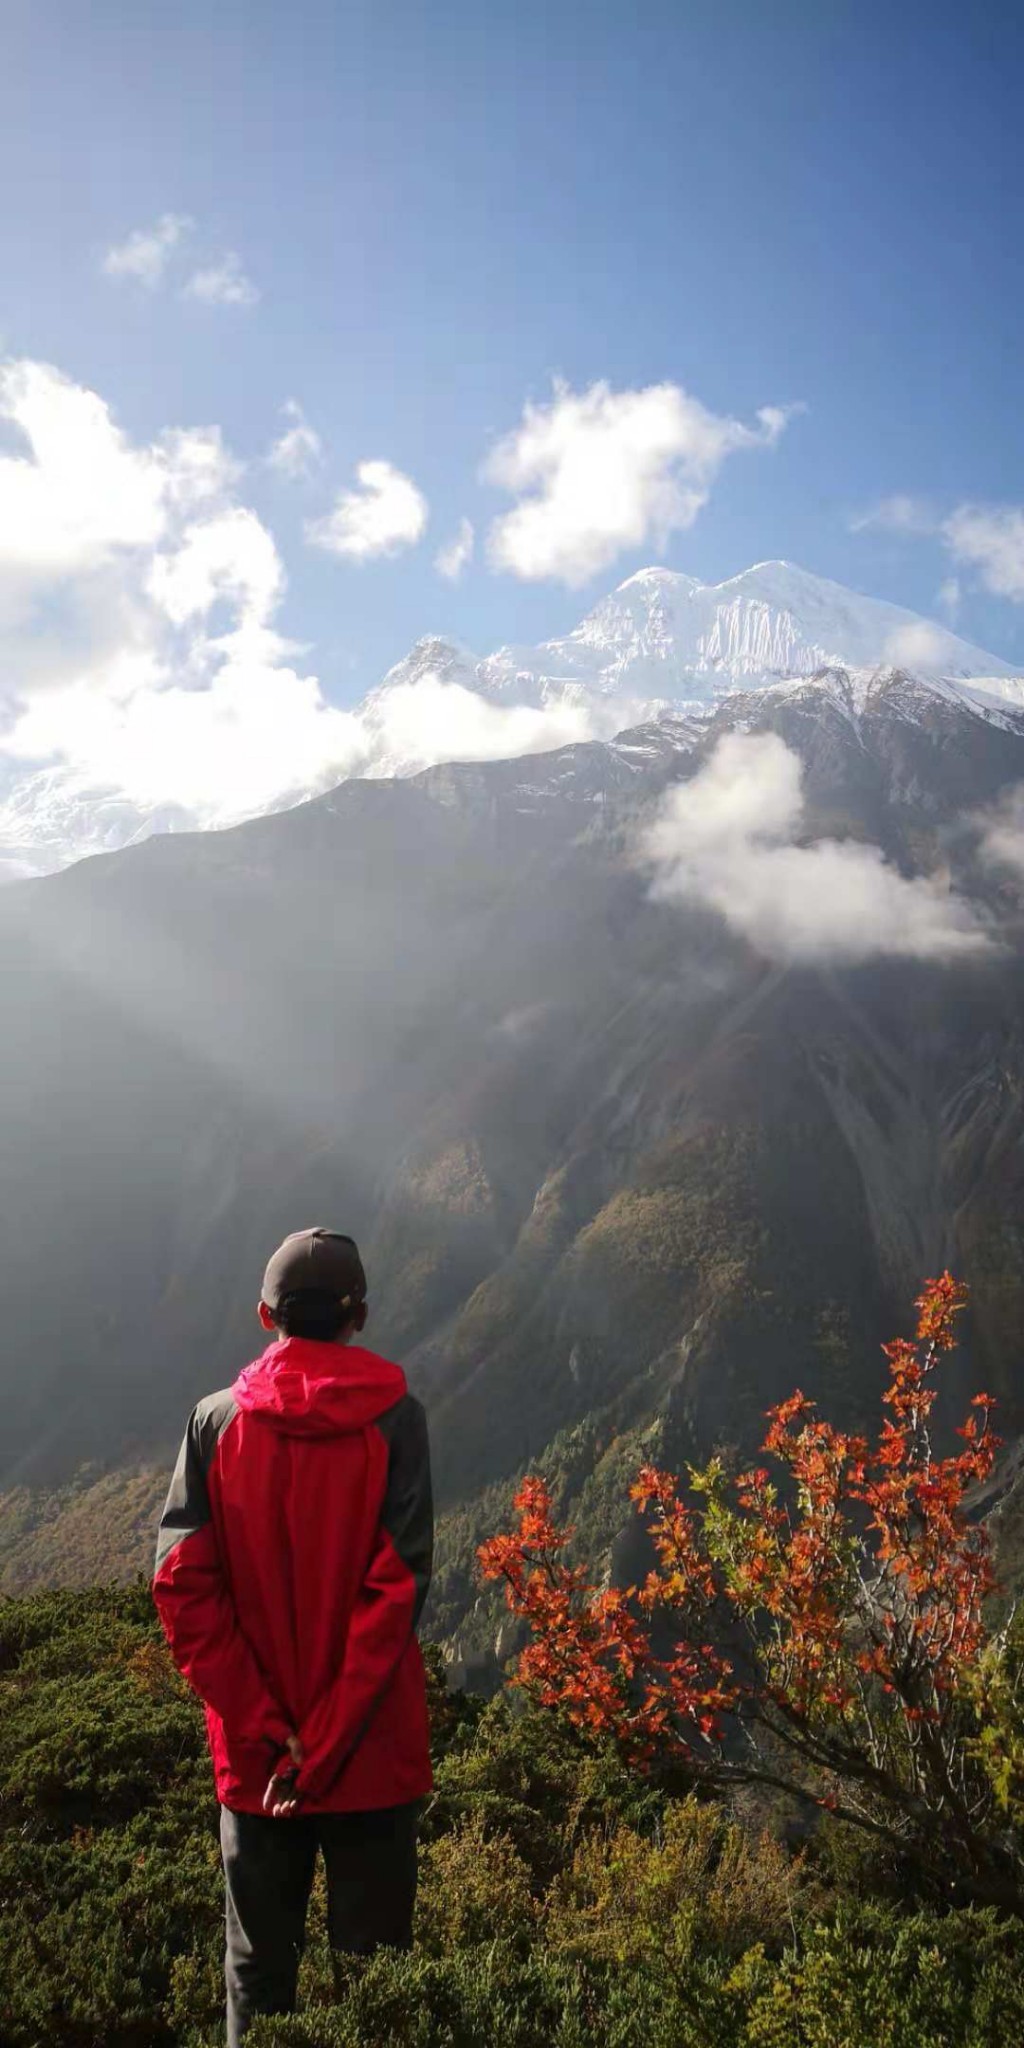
point(817, 1630)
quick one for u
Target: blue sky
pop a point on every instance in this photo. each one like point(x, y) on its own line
point(442, 209)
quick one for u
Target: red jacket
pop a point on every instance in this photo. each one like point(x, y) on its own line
point(292, 1563)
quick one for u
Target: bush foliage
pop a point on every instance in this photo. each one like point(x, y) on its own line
point(816, 1625)
point(625, 1869)
point(565, 1900)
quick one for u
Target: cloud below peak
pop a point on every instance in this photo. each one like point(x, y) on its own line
point(1002, 832)
point(919, 646)
point(726, 842)
point(599, 472)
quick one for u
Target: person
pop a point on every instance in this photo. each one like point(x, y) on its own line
point(293, 1561)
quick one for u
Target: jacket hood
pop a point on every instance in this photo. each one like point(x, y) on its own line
point(310, 1389)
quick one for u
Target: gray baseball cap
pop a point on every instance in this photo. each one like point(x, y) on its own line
point(323, 1261)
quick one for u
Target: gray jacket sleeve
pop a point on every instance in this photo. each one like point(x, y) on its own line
point(408, 1514)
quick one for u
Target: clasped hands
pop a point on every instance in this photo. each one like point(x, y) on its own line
point(279, 1799)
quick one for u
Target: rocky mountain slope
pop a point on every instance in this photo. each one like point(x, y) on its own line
point(621, 1179)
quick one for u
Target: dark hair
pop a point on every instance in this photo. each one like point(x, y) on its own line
point(312, 1313)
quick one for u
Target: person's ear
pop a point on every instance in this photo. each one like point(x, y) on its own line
point(359, 1319)
point(265, 1316)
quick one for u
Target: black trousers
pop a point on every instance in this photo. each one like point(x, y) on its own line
point(370, 1860)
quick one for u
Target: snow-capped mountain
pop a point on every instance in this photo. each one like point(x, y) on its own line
point(662, 643)
point(665, 638)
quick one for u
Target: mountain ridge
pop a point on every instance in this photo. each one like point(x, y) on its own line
point(661, 641)
point(731, 641)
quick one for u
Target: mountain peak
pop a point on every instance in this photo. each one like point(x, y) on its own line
point(775, 573)
point(773, 564)
point(664, 635)
point(654, 577)
point(783, 581)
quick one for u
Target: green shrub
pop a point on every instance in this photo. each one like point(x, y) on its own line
point(704, 1882)
point(494, 1995)
point(874, 1977)
point(474, 1886)
point(110, 1889)
point(870, 1980)
point(533, 1779)
point(563, 1904)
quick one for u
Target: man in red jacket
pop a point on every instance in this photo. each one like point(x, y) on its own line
point(292, 1565)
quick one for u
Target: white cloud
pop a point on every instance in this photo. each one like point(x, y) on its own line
point(726, 841)
point(223, 283)
point(386, 514)
point(414, 724)
point(247, 735)
point(299, 449)
point(986, 538)
point(232, 557)
point(79, 490)
point(602, 471)
point(137, 656)
point(898, 514)
point(990, 538)
point(78, 500)
point(457, 553)
point(145, 253)
point(141, 676)
point(919, 646)
point(1002, 833)
point(774, 419)
point(198, 466)
point(949, 596)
